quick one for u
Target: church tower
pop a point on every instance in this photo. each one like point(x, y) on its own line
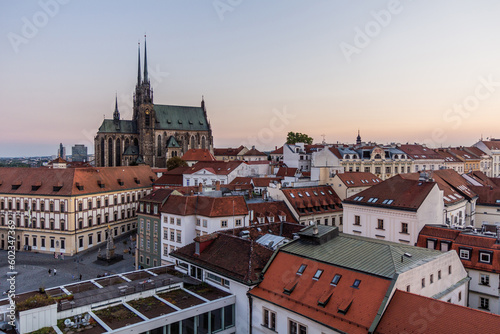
point(358, 139)
point(144, 112)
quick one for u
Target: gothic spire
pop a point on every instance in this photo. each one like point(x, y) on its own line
point(138, 63)
point(146, 79)
point(358, 139)
point(116, 114)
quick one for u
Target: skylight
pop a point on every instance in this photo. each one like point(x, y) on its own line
point(318, 274)
point(336, 279)
point(360, 198)
point(292, 195)
point(356, 198)
point(300, 195)
point(322, 193)
point(308, 194)
point(356, 283)
point(385, 201)
point(330, 192)
point(315, 193)
point(497, 201)
point(301, 269)
point(389, 202)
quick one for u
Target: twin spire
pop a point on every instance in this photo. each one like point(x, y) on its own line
point(146, 78)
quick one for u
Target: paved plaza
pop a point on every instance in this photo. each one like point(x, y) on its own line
point(33, 268)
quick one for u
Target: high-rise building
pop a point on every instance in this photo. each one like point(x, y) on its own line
point(79, 153)
point(61, 152)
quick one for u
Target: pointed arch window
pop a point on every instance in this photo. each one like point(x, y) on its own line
point(159, 145)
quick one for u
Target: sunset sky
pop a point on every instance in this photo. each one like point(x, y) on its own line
point(399, 71)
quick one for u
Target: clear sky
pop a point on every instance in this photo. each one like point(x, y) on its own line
point(400, 71)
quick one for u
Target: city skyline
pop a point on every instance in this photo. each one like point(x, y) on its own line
point(399, 71)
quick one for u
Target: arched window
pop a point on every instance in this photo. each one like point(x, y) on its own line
point(159, 145)
point(203, 142)
point(147, 120)
point(110, 152)
point(193, 142)
point(377, 156)
point(118, 153)
point(127, 143)
point(102, 152)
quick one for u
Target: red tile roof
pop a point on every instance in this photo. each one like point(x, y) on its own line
point(464, 155)
point(273, 209)
point(336, 152)
point(215, 167)
point(358, 179)
point(286, 171)
point(239, 259)
point(411, 313)
point(361, 304)
point(447, 156)
point(278, 151)
point(228, 151)
point(458, 239)
point(394, 193)
point(488, 195)
point(157, 196)
point(197, 154)
point(205, 206)
point(419, 152)
point(254, 153)
point(492, 144)
point(73, 181)
point(313, 200)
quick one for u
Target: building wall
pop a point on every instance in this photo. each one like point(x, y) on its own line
point(412, 279)
point(487, 214)
point(283, 317)
point(478, 290)
point(149, 256)
point(69, 227)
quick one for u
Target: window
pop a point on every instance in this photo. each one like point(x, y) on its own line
point(178, 236)
point(301, 269)
point(172, 220)
point(217, 279)
point(407, 288)
point(357, 220)
point(404, 228)
point(80, 242)
point(238, 222)
point(356, 283)
point(172, 235)
point(205, 223)
point(223, 223)
point(431, 279)
point(449, 270)
point(431, 243)
point(198, 222)
point(90, 240)
point(423, 282)
point(317, 275)
point(460, 296)
point(485, 257)
point(178, 222)
point(296, 328)
point(336, 279)
point(445, 246)
point(269, 318)
point(484, 303)
point(439, 274)
point(464, 253)
point(380, 224)
point(485, 279)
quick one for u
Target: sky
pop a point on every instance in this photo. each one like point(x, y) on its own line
point(398, 71)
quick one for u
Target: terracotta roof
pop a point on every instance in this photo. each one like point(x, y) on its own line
point(157, 196)
point(404, 315)
point(278, 151)
point(447, 156)
point(285, 229)
point(336, 152)
point(215, 167)
point(58, 160)
point(239, 259)
point(206, 206)
point(492, 144)
point(488, 195)
point(286, 171)
point(169, 180)
point(419, 152)
point(475, 150)
point(313, 200)
point(271, 209)
point(73, 181)
point(301, 294)
point(228, 151)
point(254, 152)
point(394, 193)
point(460, 238)
point(463, 155)
point(198, 155)
point(481, 178)
point(358, 179)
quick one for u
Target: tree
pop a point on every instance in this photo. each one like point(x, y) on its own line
point(297, 137)
point(175, 162)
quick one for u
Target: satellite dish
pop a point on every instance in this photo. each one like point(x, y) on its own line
point(67, 322)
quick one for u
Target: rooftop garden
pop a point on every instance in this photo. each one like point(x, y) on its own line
point(151, 307)
point(92, 327)
point(206, 291)
point(81, 287)
point(110, 280)
point(137, 275)
point(180, 298)
point(117, 316)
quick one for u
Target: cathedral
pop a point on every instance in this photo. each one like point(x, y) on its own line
point(156, 132)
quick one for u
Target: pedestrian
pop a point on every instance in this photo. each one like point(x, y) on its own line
point(55, 271)
point(50, 272)
point(62, 256)
point(80, 277)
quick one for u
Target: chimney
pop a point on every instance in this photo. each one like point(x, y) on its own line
point(251, 216)
point(200, 187)
point(315, 229)
point(217, 185)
